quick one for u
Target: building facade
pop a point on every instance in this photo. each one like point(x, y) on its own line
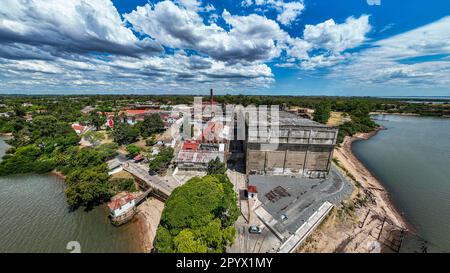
point(305, 148)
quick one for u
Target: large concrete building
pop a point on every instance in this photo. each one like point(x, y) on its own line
point(305, 148)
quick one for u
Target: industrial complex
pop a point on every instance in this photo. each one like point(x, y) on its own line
point(278, 161)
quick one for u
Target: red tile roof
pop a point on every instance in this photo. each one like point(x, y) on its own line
point(190, 146)
point(78, 127)
point(252, 189)
point(136, 112)
point(119, 201)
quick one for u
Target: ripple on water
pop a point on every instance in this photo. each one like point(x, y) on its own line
point(34, 217)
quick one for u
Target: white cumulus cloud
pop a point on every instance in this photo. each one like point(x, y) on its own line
point(288, 12)
point(71, 25)
point(414, 58)
point(338, 37)
point(251, 38)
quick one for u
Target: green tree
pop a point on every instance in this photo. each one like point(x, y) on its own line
point(164, 240)
point(88, 187)
point(124, 133)
point(215, 166)
point(133, 150)
point(97, 120)
point(199, 216)
point(94, 137)
point(152, 124)
point(161, 161)
point(186, 242)
point(322, 112)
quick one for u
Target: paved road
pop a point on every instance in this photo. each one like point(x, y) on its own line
point(165, 186)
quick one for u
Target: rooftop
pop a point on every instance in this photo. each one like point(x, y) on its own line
point(190, 145)
point(291, 119)
point(297, 198)
point(199, 156)
point(118, 201)
point(252, 189)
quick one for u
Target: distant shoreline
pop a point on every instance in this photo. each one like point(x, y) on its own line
point(396, 114)
point(408, 115)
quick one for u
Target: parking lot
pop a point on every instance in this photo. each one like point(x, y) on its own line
point(287, 202)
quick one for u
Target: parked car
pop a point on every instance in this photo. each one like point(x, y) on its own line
point(254, 229)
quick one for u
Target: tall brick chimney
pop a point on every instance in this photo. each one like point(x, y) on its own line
point(211, 96)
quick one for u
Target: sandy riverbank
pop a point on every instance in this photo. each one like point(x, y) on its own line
point(358, 229)
point(148, 216)
point(58, 174)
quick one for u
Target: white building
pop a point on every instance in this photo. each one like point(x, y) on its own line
point(121, 205)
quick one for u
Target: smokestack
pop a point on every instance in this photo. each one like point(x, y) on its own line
point(211, 96)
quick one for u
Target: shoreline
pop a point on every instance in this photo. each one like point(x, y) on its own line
point(408, 115)
point(386, 196)
point(58, 174)
point(358, 230)
point(395, 114)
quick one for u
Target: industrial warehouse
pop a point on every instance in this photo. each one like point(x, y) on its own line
point(305, 148)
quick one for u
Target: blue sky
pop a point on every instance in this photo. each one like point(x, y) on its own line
point(273, 47)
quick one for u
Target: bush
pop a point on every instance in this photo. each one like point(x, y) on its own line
point(133, 150)
point(150, 141)
point(123, 184)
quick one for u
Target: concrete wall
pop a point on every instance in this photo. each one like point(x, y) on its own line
point(304, 148)
point(289, 162)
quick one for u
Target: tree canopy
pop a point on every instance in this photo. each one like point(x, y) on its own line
point(124, 133)
point(151, 124)
point(96, 120)
point(215, 166)
point(322, 112)
point(198, 217)
point(161, 161)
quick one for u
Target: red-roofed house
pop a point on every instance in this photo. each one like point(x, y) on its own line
point(121, 204)
point(252, 192)
point(133, 116)
point(79, 129)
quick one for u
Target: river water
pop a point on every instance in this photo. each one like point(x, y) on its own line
point(34, 217)
point(412, 159)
